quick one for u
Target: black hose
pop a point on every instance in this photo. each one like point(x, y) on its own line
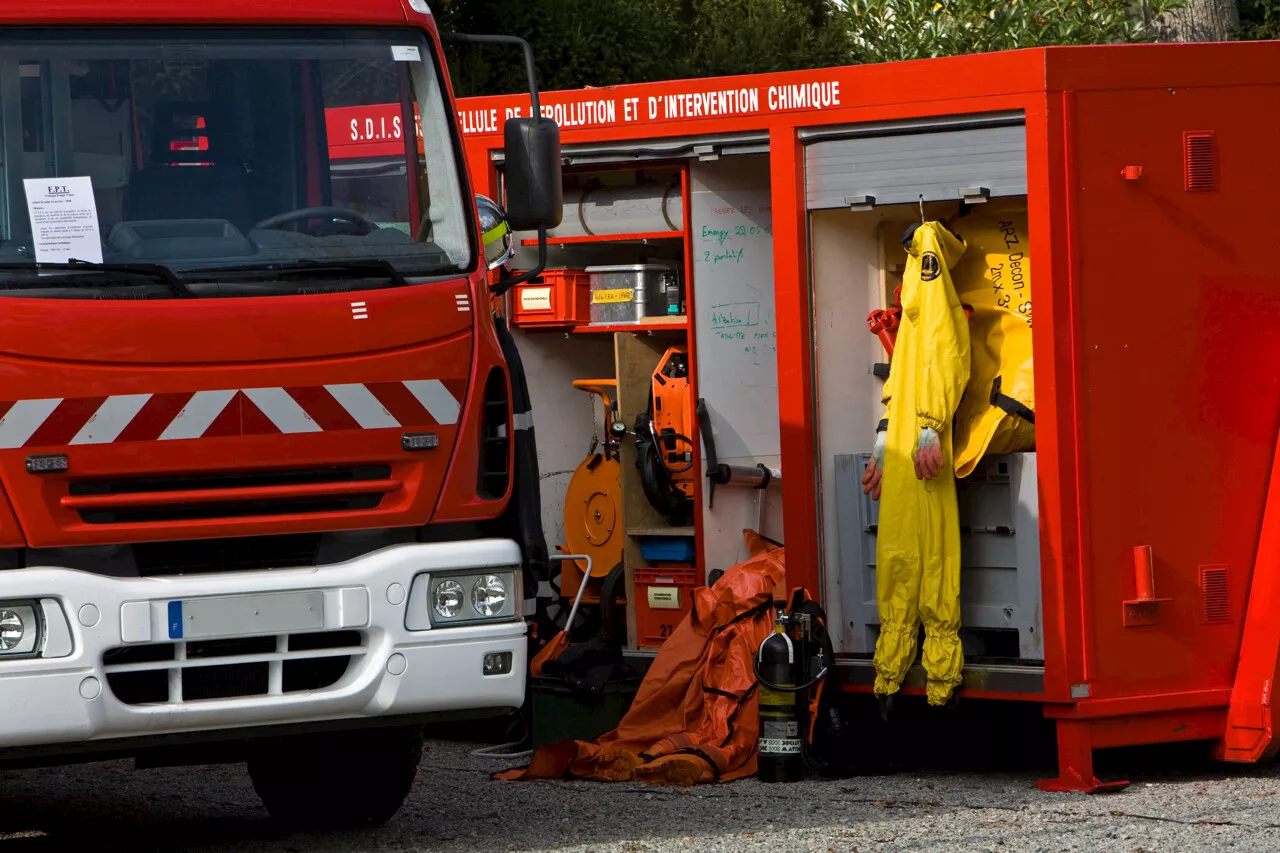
point(755, 665)
point(658, 439)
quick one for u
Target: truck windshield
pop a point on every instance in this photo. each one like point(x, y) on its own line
point(225, 149)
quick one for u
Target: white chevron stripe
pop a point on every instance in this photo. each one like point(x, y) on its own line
point(21, 422)
point(282, 409)
point(360, 403)
point(436, 399)
point(197, 415)
point(112, 417)
point(115, 414)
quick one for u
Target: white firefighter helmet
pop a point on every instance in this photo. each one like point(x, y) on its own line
point(496, 233)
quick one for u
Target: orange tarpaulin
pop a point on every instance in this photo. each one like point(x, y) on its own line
point(694, 717)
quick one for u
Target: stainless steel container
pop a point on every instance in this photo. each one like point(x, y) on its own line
point(626, 293)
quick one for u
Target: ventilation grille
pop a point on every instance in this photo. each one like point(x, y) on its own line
point(495, 474)
point(229, 480)
point(242, 494)
point(178, 673)
point(1200, 161)
point(1213, 593)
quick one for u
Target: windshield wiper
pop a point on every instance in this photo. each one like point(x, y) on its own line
point(156, 272)
point(308, 265)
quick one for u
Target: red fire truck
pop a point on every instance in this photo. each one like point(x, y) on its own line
point(255, 504)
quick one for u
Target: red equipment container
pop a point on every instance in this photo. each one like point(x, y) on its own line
point(559, 298)
point(1155, 500)
point(664, 597)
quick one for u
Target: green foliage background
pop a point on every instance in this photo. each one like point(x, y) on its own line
point(580, 43)
point(1260, 19)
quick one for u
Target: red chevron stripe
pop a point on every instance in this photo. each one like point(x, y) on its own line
point(227, 423)
point(323, 408)
point(458, 388)
point(252, 419)
point(62, 425)
point(401, 403)
point(155, 416)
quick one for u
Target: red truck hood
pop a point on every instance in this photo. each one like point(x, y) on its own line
point(225, 417)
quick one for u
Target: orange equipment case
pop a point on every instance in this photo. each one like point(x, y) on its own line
point(558, 298)
point(1145, 170)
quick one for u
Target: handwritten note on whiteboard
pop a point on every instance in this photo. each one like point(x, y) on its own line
point(732, 218)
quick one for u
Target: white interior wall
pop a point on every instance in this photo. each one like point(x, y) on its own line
point(562, 415)
point(846, 287)
point(731, 213)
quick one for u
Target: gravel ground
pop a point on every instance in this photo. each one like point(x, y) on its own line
point(456, 808)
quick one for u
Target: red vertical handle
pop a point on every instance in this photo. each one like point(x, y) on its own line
point(1144, 572)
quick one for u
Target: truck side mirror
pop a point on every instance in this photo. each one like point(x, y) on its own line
point(534, 194)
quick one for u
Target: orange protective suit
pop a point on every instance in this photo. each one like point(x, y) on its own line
point(694, 718)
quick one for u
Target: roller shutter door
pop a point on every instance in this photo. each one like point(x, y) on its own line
point(898, 163)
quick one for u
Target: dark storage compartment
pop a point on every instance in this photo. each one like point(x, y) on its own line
point(562, 713)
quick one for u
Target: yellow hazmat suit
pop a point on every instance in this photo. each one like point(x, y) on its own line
point(918, 539)
point(996, 414)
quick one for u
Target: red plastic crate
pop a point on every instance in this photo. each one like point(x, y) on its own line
point(558, 298)
point(663, 597)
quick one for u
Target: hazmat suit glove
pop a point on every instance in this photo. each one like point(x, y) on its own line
point(875, 468)
point(928, 457)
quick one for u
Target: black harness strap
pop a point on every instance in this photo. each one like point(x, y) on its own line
point(1010, 405)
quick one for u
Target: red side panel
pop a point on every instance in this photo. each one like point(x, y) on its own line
point(792, 298)
point(10, 532)
point(1252, 721)
point(1180, 378)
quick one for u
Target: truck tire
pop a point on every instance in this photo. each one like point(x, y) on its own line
point(340, 781)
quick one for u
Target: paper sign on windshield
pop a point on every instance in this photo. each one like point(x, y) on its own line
point(64, 220)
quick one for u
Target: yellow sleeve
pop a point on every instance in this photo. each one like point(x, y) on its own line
point(943, 335)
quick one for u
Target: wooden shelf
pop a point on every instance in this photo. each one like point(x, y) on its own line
point(660, 531)
point(638, 237)
point(670, 329)
point(678, 326)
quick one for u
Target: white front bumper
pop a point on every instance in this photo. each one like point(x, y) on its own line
point(395, 671)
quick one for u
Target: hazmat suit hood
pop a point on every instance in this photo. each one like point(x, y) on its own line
point(953, 246)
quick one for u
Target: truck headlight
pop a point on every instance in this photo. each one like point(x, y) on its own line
point(463, 598)
point(488, 595)
point(447, 598)
point(19, 628)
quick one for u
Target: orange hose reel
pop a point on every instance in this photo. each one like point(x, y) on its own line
point(593, 504)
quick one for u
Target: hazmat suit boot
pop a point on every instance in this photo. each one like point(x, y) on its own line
point(918, 537)
point(996, 414)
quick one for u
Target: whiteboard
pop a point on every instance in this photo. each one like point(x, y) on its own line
point(732, 242)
